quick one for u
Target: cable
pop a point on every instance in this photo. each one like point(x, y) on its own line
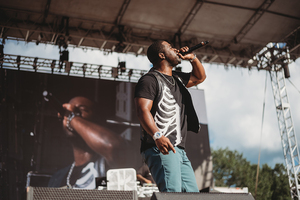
point(293, 85)
point(261, 130)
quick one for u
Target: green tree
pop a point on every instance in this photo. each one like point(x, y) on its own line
point(280, 186)
point(230, 169)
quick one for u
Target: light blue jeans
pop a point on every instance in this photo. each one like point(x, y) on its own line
point(172, 172)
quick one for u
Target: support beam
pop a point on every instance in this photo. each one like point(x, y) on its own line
point(213, 58)
point(189, 18)
point(239, 62)
point(203, 58)
point(26, 37)
point(103, 44)
point(46, 10)
point(53, 39)
point(80, 41)
point(140, 50)
point(122, 11)
point(231, 60)
point(2, 32)
point(293, 42)
point(253, 9)
point(127, 48)
point(250, 23)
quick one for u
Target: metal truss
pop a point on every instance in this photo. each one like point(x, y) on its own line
point(293, 42)
point(189, 18)
point(42, 65)
point(112, 37)
point(255, 17)
point(275, 59)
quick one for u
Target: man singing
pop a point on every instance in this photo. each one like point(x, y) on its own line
point(95, 148)
point(166, 113)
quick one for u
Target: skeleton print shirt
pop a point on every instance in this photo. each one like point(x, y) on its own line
point(168, 108)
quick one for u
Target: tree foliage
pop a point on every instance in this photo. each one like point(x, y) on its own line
point(231, 169)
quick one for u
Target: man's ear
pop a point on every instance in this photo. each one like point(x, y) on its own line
point(162, 56)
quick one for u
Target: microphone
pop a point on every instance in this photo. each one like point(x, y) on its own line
point(194, 48)
point(54, 102)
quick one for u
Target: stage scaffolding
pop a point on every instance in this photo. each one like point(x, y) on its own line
point(78, 69)
point(275, 59)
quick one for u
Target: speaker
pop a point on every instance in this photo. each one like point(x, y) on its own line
point(44, 193)
point(200, 196)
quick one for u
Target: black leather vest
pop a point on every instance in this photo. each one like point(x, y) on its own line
point(192, 119)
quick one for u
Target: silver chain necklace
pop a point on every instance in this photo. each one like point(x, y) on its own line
point(69, 175)
point(167, 79)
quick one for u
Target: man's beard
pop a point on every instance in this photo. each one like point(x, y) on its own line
point(174, 62)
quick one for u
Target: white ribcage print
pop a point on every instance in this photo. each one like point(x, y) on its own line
point(167, 117)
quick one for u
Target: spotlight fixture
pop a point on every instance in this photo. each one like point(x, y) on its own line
point(35, 64)
point(40, 36)
point(114, 72)
point(53, 65)
point(84, 66)
point(18, 62)
point(130, 72)
point(122, 66)
point(68, 67)
point(99, 70)
point(1, 53)
point(64, 58)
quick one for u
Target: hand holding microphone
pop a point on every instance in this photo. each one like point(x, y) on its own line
point(62, 109)
point(65, 111)
point(54, 102)
point(193, 48)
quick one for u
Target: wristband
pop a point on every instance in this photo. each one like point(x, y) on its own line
point(157, 135)
point(193, 58)
point(69, 119)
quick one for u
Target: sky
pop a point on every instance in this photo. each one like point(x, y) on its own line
point(234, 99)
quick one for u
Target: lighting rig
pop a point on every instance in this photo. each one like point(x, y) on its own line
point(42, 65)
point(275, 58)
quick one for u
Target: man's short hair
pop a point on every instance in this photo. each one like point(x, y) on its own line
point(153, 51)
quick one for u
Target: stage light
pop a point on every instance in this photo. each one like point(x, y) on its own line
point(35, 64)
point(60, 41)
point(40, 36)
point(114, 72)
point(18, 62)
point(99, 70)
point(130, 72)
point(53, 65)
point(64, 57)
point(120, 47)
point(84, 66)
point(68, 67)
point(286, 71)
point(122, 66)
point(1, 53)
